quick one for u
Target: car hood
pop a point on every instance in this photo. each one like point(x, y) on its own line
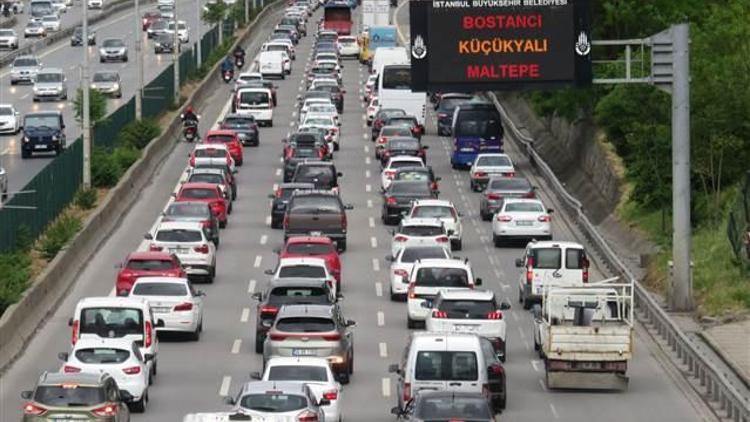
point(8, 37)
point(7, 119)
point(47, 85)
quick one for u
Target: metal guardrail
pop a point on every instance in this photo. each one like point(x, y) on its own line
point(718, 388)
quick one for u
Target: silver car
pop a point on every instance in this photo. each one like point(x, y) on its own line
point(313, 330)
point(500, 188)
point(108, 83)
point(24, 69)
point(50, 84)
point(278, 400)
point(113, 49)
point(8, 39)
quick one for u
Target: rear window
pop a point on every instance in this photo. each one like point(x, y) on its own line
point(178, 236)
point(102, 355)
point(220, 138)
point(159, 289)
point(305, 325)
point(210, 152)
point(410, 188)
point(575, 259)
point(69, 395)
point(310, 295)
point(315, 205)
point(467, 309)
point(207, 178)
point(149, 264)
point(315, 174)
point(304, 271)
point(305, 153)
point(199, 193)
point(422, 231)
point(457, 408)
point(297, 373)
point(510, 183)
point(309, 248)
point(412, 175)
point(108, 322)
point(442, 277)
point(495, 161)
point(523, 207)
point(446, 366)
point(273, 403)
point(433, 211)
point(546, 258)
point(403, 163)
point(448, 104)
point(403, 144)
point(412, 254)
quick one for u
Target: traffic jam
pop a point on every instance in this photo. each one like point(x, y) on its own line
point(432, 169)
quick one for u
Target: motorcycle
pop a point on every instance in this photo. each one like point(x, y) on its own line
point(227, 75)
point(190, 130)
point(239, 60)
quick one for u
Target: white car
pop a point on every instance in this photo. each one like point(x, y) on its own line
point(325, 122)
point(550, 263)
point(285, 45)
point(173, 300)
point(348, 46)
point(189, 242)
point(96, 4)
point(166, 3)
point(394, 163)
point(419, 231)
point(304, 268)
point(255, 101)
point(403, 262)
point(34, 29)
point(487, 165)
point(209, 157)
point(60, 6)
point(182, 30)
point(9, 119)
point(372, 109)
point(445, 211)
point(369, 87)
point(319, 82)
point(322, 109)
point(520, 218)
point(315, 372)
point(472, 312)
point(429, 277)
point(245, 78)
point(8, 39)
point(286, 62)
point(325, 55)
point(311, 101)
point(121, 358)
point(51, 23)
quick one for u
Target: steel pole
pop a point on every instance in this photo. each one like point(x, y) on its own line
point(176, 58)
point(682, 289)
point(138, 63)
point(198, 48)
point(247, 12)
point(86, 118)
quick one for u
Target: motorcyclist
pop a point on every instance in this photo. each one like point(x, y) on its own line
point(190, 124)
point(227, 65)
point(239, 52)
point(189, 116)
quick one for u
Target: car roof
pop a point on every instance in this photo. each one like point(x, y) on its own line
point(80, 378)
point(293, 387)
point(467, 294)
point(421, 222)
point(441, 263)
point(51, 70)
point(210, 146)
point(555, 244)
point(142, 255)
point(522, 200)
point(495, 154)
point(206, 170)
point(180, 225)
point(168, 280)
point(449, 341)
point(197, 185)
point(404, 158)
point(305, 310)
point(113, 302)
point(296, 185)
point(298, 282)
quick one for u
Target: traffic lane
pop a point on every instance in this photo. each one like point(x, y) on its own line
point(98, 279)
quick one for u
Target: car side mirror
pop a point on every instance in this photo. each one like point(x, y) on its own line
point(437, 179)
point(350, 323)
point(255, 375)
point(393, 369)
point(478, 281)
point(26, 395)
point(63, 356)
point(125, 396)
point(268, 272)
point(271, 196)
point(148, 236)
point(159, 323)
point(324, 402)
point(460, 214)
point(519, 262)
point(450, 232)
point(504, 306)
point(339, 296)
point(277, 250)
point(425, 147)
point(70, 322)
point(229, 400)
point(550, 210)
point(339, 174)
point(389, 258)
point(148, 357)
point(348, 207)
point(257, 296)
point(200, 293)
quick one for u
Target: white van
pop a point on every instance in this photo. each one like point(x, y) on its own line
point(388, 55)
point(257, 102)
point(450, 362)
point(550, 263)
point(271, 63)
point(118, 317)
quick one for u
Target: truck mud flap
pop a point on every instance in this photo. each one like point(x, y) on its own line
point(586, 380)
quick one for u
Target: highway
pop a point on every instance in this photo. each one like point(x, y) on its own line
point(62, 55)
point(193, 376)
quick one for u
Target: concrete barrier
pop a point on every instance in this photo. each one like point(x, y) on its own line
point(21, 320)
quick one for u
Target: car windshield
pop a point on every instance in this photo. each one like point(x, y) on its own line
point(433, 211)
point(494, 161)
point(297, 373)
point(403, 144)
point(467, 309)
point(7, 33)
point(305, 271)
point(34, 24)
point(49, 77)
point(406, 188)
point(395, 131)
point(412, 175)
point(68, 395)
point(318, 121)
point(442, 277)
point(6, 111)
point(102, 355)
point(305, 325)
point(25, 63)
point(455, 408)
point(188, 210)
point(323, 109)
point(111, 322)
point(50, 19)
point(546, 258)
point(36, 121)
point(524, 207)
point(445, 366)
point(105, 77)
point(510, 183)
point(159, 289)
point(178, 235)
point(402, 121)
point(149, 264)
point(160, 24)
point(272, 402)
point(199, 193)
point(206, 178)
point(412, 254)
point(309, 248)
point(422, 231)
point(113, 43)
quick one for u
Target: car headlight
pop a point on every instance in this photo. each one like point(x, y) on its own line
point(55, 138)
point(26, 139)
point(102, 52)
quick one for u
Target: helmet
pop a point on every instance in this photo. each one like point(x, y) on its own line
point(189, 109)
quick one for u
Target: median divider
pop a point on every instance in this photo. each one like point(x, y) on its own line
point(9, 23)
point(21, 320)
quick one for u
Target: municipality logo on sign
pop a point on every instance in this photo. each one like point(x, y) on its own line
point(583, 45)
point(418, 49)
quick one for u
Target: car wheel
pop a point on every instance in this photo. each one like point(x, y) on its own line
point(457, 245)
point(25, 153)
point(520, 296)
point(344, 377)
point(222, 224)
point(270, 123)
point(258, 343)
point(395, 297)
point(196, 335)
point(12, 82)
point(410, 323)
point(140, 405)
point(486, 216)
point(526, 303)
point(211, 274)
point(496, 241)
point(341, 244)
point(351, 364)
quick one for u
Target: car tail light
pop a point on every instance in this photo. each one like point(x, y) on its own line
point(331, 395)
point(145, 21)
point(285, 223)
point(401, 273)
point(109, 409)
point(479, 174)
point(206, 223)
point(71, 369)
point(544, 218)
point(74, 334)
point(411, 293)
point(434, 186)
point(442, 239)
point(531, 194)
point(585, 275)
point(269, 310)
point(133, 370)
point(443, 115)
point(185, 306)
point(494, 196)
point(439, 314)
point(216, 206)
point(509, 174)
point(400, 238)
point(495, 315)
point(406, 392)
point(33, 410)
point(192, 161)
point(529, 274)
point(382, 140)
point(390, 200)
point(154, 248)
point(277, 337)
point(148, 337)
point(387, 153)
point(331, 337)
point(201, 249)
point(497, 369)
point(389, 174)
point(504, 218)
point(307, 416)
point(343, 221)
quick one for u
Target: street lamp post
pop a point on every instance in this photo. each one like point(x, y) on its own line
point(86, 118)
point(138, 63)
point(176, 57)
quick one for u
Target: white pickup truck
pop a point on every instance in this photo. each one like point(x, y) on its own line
point(584, 335)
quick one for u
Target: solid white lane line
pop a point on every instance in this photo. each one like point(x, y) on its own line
point(251, 286)
point(375, 264)
point(386, 387)
point(225, 383)
point(278, 172)
point(263, 239)
point(381, 319)
point(373, 242)
point(258, 260)
point(379, 289)
point(236, 346)
point(369, 203)
point(364, 136)
point(367, 160)
point(368, 174)
point(554, 411)
point(383, 350)
point(245, 315)
point(367, 149)
point(368, 188)
point(275, 187)
point(544, 387)
point(268, 220)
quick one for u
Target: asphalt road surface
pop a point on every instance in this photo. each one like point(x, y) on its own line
point(193, 376)
point(62, 55)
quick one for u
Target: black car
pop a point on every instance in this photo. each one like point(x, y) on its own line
point(418, 173)
point(406, 121)
point(398, 197)
point(244, 126)
point(336, 94)
point(382, 115)
point(194, 211)
point(287, 291)
point(296, 156)
point(322, 174)
point(432, 405)
point(164, 43)
point(444, 110)
point(402, 145)
point(281, 199)
point(43, 131)
point(77, 37)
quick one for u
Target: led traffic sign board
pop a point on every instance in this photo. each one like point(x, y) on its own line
point(483, 45)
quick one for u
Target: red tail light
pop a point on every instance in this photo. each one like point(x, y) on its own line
point(106, 410)
point(148, 337)
point(285, 223)
point(401, 273)
point(216, 206)
point(331, 337)
point(442, 239)
point(434, 186)
point(439, 314)
point(531, 194)
point(206, 223)
point(192, 161)
point(331, 395)
point(504, 218)
point(479, 174)
point(154, 248)
point(407, 392)
point(544, 218)
point(390, 200)
point(307, 416)
point(586, 275)
point(389, 174)
point(277, 337)
point(33, 410)
point(411, 293)
point(400, 238)
point(71, 369)
point(133, 370)
point(74, 334)
point(494, 196)
point(529, 274)
point(269, 310)
point(495, 315)
point(382, 140)
point(509, 174)
point(386, 153)
point(201, 249)
point(185, 306)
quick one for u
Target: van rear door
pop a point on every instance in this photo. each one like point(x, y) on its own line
point(446, 370)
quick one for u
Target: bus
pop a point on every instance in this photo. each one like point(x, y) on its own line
point(476, 128)
point(394, 90)
point(337, 16)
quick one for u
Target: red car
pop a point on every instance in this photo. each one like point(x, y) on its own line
point(315, 246)
point(207, 192)
point(228, 138)
point(149, 18)
point(146, 264)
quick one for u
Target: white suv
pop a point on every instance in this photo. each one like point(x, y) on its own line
point(446, 212)
point(190, 242)
point(419, 231)
point(403, 262)
point(550, 263)
point(316, 268)
point(521, 218)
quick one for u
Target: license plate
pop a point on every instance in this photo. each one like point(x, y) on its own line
point(465, 328)
point(40, 146)
point(179, 250)
point(588, 365)
point(303, 352)
point(316, 233)
point(524, 223)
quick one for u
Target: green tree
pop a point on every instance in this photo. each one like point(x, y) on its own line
point(97, 105)
point(215, 13)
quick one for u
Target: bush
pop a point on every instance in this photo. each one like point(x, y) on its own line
point(104, 169)
point(24, 238)
point(139, 133)
point(97, 105)
point(15, 270)
point(58, 234)
point(85, 199)
point(125, 156)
